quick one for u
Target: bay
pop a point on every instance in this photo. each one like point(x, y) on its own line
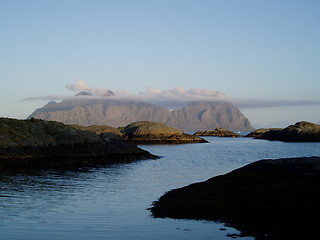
point(111, 202)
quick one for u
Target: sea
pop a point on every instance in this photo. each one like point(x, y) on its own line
point(111, 202)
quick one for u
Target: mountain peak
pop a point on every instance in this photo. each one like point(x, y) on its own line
point(100, 94)
point(109, 93)
point(83, 93)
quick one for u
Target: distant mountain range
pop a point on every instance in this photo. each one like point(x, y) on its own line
point(87, 110)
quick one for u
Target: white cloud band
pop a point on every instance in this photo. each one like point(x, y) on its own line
point(175, 97)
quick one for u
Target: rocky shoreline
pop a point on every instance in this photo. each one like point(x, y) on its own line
point(48, 144)
point(267, 199)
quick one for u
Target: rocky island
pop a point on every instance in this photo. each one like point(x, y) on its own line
point(300, 132)
point(48, 144)
point(268, 199)
point(85, 110)
point(146, 132)
point(218, 132)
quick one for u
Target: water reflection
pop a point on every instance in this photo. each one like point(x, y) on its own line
point(39, 192)
point(110, 202)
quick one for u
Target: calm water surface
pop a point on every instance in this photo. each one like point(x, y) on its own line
point(111, 202)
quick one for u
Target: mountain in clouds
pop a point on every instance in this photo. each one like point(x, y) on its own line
point(196, 116)
point(84, 93)
point(209, 115)
point(100, 111)
point(106, 93)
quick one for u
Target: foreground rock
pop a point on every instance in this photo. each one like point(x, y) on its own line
point(218, 132)
point(145, 132)
point(300, 132)
point(46, 144)
point(269, 199)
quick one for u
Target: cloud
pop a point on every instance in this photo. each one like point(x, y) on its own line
point(80, 85)
point(175, 97)
point(184, 94)
point(260, 103)
point(152, 94)
point(50, 97)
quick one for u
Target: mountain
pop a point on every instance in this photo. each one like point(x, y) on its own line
point(195, 116)
point(83, 93)
point(209, 116)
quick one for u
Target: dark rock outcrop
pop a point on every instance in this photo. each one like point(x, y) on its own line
point(108, 111)
point(218, 132)
point(47, 144)
point(269, 199)
point(299, 132)
point(144, 132)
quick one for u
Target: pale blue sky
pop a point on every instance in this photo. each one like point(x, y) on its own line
point(248, 50)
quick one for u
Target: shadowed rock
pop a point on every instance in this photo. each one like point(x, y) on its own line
point(47, 144)
point(218, 132)
point(269, 199)
point(145, 132)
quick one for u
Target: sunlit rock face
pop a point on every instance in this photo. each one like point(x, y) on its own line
point(146, 132)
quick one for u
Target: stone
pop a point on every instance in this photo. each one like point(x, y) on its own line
point(218, 132)
point(47, 144)
point(300, 132)
point(267, 199)
point(146, 132)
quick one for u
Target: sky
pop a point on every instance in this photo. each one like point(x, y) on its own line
point(263, 56)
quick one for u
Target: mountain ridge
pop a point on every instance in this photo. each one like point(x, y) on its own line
point(200, 115)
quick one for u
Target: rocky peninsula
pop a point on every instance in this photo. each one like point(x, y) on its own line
point(218, 132)
point(300, 132)
point(146, 132)
point(268, 199)
point(48, 144)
